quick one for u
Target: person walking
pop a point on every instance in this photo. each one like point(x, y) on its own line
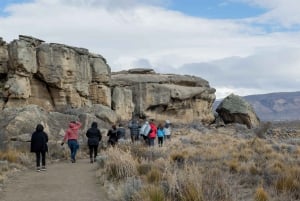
point(167, 130)
point(113, 136)
point(94, 137)
point(71, 136)
point(144, 131)
point(121, 132)
point(39, 146)
point(153, 133)
point(160, 135)
point(134, 130)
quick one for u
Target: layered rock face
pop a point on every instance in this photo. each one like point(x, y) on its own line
point(53, 76)
point(73, 81)
point(179, 98)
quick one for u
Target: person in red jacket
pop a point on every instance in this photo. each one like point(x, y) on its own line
point(153, 133)
point(71, 135)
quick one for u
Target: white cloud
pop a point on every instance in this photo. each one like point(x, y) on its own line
point(135, 33)
point(284, 12)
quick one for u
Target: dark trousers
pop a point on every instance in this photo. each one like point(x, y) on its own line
point(38, 158)
point(160, 141)
point(93, 151)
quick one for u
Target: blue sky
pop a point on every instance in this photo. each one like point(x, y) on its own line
point(240, 46)
point(216, 9)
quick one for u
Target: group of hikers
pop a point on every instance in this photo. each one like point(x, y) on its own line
point(148, 131)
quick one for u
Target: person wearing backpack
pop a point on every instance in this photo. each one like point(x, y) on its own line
point(94, 137)
point(144, 131)
point(38, 145)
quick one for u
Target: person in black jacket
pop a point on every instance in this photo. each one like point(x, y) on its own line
point(112, 135)
point(94, 137)
point(39, 146)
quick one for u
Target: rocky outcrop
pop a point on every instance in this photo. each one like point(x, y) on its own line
point(63, 75)
point(59, 79)
point(178, 98)
point(234, 109)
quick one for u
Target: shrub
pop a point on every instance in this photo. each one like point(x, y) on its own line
point(120, 164)
point(151, 193)
point(131, 187)
point(233, 166)
point(10, 155)
point(179, 158)
point(185, 184)
point(261, 195)
point(143, 169)
point(154, 176)
point(215, 187)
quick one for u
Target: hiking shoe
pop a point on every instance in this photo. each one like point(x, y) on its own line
point(38, 169)
point(43, 168)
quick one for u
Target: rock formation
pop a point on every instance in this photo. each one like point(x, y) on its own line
point(71, 80)
point(234, 109)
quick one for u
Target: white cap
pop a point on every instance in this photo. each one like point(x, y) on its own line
point(167, 121)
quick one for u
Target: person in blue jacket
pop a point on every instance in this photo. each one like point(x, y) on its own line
point(160, 135)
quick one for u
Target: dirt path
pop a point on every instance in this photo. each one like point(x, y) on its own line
point(62, 181)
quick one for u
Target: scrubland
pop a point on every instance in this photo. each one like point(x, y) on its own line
point(229, 163)
point(199, 163)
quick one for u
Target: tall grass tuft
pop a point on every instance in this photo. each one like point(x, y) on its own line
point(120, 164)
point(261, 195)
point(150, 193)
point(10, 155)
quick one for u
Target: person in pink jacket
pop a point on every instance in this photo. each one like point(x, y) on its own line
point(71, 136)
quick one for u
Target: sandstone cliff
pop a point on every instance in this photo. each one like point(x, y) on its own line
point(58, 77)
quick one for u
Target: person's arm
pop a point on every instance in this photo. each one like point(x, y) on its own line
point(99, 135)
point(65, 138)
point(78, 124)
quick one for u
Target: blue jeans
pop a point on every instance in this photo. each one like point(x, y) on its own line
point(74, 146)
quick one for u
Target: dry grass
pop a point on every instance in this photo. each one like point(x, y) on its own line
point(10, 155)
point(261, 195)
point(216, 166)
point(120, 164)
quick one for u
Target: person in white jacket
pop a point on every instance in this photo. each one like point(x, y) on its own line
point(144, 131)
point(167, 130)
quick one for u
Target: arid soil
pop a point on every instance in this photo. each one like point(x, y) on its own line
point(62, 181)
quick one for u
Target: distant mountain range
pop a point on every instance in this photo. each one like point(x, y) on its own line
point(274, 106)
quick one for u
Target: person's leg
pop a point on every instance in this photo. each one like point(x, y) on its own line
point(151, 141)
point(91, 153)
point(72, 146)
point(38, 158)
point(43, 160)
point(95, 152)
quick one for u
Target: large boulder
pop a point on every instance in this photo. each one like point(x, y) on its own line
point(234, 109)
point(180, 98)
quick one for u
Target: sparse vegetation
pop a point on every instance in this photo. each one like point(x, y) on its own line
point(215, 166)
